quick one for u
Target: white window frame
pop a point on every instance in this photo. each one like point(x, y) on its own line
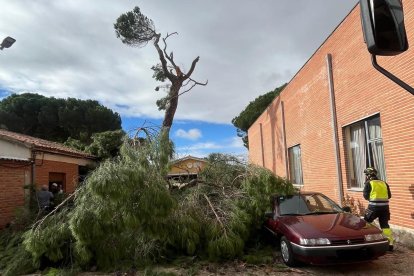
point(371, 147)
point(295, 165)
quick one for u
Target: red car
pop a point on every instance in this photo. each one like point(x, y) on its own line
point(313, 229)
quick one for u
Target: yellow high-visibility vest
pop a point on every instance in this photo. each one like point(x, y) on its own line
point(379, 191)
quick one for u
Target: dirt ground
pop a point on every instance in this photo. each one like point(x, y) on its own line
point(399, 262)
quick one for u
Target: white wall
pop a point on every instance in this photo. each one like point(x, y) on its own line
point(11, 150)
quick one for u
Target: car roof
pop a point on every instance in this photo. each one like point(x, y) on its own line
point(302, 193)
point(308, 193)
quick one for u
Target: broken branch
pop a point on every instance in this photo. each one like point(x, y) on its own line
point(171, 56)
point(37, 224)
point(214, 211)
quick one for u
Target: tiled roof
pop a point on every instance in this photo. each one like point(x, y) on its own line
point(42, 145)
point(188, 157)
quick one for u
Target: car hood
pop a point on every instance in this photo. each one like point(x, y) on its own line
point(329, 225)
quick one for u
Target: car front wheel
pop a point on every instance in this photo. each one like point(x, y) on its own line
point(286, 250)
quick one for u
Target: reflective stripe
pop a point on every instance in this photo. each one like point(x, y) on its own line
point(379, 200)
point(379, 203)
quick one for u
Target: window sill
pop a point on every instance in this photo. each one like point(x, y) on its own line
point(355, 189)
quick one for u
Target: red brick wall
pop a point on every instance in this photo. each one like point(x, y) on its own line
point(11, 190)
point(43, 169)
point(12, 180)
point(360, 91)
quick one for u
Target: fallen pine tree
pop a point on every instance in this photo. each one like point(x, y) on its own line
point(126, 214)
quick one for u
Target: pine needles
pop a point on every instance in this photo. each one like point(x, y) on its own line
point(125, 215)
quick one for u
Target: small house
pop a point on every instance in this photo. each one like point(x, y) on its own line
point(186, 168)
point(26, 160)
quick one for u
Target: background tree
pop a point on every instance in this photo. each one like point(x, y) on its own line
point(252, 111)
point(20, 113)
point(56, 119)
point(136, 30)
point(106, 144)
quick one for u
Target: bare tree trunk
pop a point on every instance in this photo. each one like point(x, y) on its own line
point(178, 80)
point(171, 107)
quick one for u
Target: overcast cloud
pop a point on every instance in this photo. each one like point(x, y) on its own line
point(68, 48)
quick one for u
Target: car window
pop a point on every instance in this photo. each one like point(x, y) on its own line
point(320, 203)
point(307, 204)
point(291, 205)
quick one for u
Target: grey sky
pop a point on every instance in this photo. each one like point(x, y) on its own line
point(68, 48)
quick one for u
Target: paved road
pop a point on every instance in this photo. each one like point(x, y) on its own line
point(400, 262)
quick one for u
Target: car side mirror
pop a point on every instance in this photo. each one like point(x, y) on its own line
point(383, 27)
point(346, 209)
point(269, 214)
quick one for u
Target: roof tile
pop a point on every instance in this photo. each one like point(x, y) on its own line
point(43, 145)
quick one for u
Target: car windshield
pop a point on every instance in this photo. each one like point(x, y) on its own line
point(308, 204)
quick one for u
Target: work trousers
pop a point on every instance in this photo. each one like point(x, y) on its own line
point(383, 214)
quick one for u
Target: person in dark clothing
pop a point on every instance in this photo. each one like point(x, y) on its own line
point(378, 193)
point(44, 197)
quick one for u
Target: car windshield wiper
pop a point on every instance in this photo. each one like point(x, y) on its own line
point(293, 214)
point(323, 212)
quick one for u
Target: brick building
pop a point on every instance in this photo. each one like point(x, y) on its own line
point(26, 160)
point(339, 115)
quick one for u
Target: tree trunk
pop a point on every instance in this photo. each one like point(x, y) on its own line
point(171, 107)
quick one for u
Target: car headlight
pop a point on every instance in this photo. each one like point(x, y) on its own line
point(374, 237)
point(320, 241)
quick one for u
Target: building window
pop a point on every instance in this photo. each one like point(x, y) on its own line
point(295, 165)
point(364, 149)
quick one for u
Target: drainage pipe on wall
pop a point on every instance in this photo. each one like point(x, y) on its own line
point(261, 144)
point(335, 128)
point(284, 140)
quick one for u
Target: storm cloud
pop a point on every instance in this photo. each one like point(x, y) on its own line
point(68, 48)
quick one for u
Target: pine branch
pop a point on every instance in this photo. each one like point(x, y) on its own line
point(214, 211)
point(38, 223)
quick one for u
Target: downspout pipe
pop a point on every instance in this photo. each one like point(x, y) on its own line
point(334, 122)
point(262, 144)
point(33, 167)
point(284, 140)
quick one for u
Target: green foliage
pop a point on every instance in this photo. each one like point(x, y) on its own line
point(106, 144)
point(82, 118)
point(230, 204)
point(125, 215)
point(260, 256)
point(224, 169)
point(134, 28)
point(14, 259)
point(252, 111)
point(162, 103)
point(260, 186)
point(123, 203)
point(52, 240)
point(56, 119)
point(75, 144)
point(158, 74)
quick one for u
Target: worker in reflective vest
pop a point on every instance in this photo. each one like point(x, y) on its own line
point(378, 193)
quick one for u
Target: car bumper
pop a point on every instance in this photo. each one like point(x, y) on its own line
point(340, 253)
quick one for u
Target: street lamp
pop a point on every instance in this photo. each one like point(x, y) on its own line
point(7, 42)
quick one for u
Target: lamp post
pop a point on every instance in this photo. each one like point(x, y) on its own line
point(7, 42)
